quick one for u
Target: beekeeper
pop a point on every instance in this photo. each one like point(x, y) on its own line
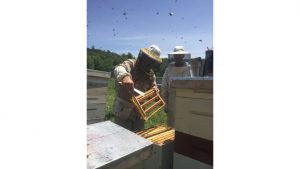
point(134, 73)
point(177, 68)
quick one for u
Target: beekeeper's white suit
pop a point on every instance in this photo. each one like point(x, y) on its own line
point(174, 71)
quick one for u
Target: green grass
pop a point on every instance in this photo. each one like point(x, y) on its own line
point(159, 118)
point(110, 98)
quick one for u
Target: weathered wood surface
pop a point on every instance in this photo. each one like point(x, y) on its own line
point(192, 83)
point(162, 157)
point(112, 146)
point(95, 112)
point(97, 78)
point(96, 95)
point(96, 103)
point(98, 73)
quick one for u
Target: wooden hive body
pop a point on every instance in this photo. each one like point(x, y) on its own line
point(163, 147)
point(191, 109)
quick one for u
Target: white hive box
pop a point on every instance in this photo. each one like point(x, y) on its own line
point(192, 109)
point(110, 146)
point(192, 106)
point(96, 95)
point(95, 108)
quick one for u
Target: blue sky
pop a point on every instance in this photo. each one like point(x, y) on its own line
point(123, 26)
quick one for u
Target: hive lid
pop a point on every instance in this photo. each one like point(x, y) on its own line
point(109, 144)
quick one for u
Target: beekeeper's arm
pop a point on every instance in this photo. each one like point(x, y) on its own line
point(122, 73)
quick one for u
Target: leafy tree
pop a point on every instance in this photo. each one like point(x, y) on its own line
point(106, 60)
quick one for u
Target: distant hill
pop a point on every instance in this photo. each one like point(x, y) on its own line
point(106, 60)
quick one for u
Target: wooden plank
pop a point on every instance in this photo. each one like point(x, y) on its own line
point(155, 105)
point(196, 106)
point(148, 101)
point(95, 111)
point(198, 83)
point(164, 136)
point(97, 92)
point(194, 93)
point(94, 115)
point(160, 135)
point(112, 146)
point(98, 73)
point(153, 131)
point(147, 95)
point(147, 135)
point(196, 125)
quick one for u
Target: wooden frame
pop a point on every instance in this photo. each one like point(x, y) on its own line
point(148, 104)
point(158, 135)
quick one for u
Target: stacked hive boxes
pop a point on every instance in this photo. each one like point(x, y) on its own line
point(163, 145)
point(96, 95)
point(192, 109)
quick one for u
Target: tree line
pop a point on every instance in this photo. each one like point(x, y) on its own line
point(106, 60)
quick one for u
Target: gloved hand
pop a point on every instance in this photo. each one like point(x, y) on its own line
point(128, 83)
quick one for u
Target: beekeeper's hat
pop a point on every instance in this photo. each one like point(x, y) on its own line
point(179, 50)
point(152, 52)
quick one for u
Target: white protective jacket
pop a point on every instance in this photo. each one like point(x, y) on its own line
point(173, 71)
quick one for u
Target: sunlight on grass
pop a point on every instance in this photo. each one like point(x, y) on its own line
point(110, 98)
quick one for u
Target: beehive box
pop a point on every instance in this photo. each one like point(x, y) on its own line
point(110, 146)
point(96, 95)
point(192, 106)
point(192, 110)
point(163, 148)
point(96, 78)
point(95, 109)
point(181, 162)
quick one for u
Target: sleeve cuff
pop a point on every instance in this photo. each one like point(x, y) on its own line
point(122, 75)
